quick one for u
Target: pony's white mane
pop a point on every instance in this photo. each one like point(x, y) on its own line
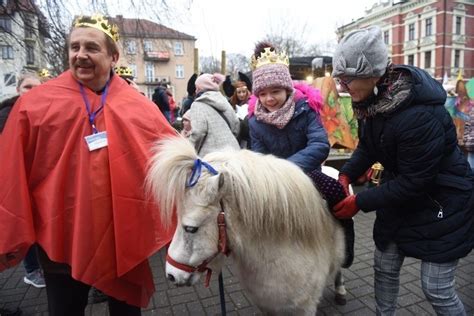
point(272, 196)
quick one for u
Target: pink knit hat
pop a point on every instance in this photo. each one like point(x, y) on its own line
point(208, 82)
point(271, 75)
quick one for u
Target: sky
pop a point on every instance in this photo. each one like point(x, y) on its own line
point(235, 26)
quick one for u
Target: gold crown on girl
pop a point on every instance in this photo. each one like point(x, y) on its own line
point(98, 22)
point(269, 57)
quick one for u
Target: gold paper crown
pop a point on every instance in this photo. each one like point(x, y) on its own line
point(98, 22)
point(44, 73)
point(124, 71)
point(269, 57)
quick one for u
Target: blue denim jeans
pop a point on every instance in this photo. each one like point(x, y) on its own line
point(470, 159)
point(31, 260)
point(437, 281)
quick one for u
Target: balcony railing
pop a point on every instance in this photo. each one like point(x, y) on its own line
point(157, 56)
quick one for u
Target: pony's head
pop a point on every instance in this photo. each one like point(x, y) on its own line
point(181, 181)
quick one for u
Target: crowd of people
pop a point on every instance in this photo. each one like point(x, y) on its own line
point(74, 153)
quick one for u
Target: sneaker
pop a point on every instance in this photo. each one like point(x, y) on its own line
point(35, 278)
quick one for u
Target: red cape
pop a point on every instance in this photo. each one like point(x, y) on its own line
point(86, 209)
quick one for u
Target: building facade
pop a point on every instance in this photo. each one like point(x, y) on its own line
point(22, 42)
point(437, 36)
point(156, 54)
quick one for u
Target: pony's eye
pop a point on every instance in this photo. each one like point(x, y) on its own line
point(191, 229)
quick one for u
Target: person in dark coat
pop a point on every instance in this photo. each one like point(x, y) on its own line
point(160, 97)
point(425, 203)
point(189, 99)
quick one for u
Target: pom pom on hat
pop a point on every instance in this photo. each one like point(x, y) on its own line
point(208, 82)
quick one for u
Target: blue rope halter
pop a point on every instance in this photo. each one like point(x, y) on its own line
point(197, 170)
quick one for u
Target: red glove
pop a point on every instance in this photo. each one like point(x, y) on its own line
point(344, 181)
point(365, 177)
point(347, 208)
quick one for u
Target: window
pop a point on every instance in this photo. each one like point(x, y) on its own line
point(457, 57)
point(29, 32)
point(131, 47)
point(133, 67)
point(7, 52)
point(411, 31)
point(428, 26)
point(5, 24)
point(411, 60)
point(150, 72)
point(30, 55)
point(9, 80)
point(149, 91)
point(386, 37)
point(179, 71)
point(178, 48)
point(147, 46)
point(427, 60)
point(458, 25)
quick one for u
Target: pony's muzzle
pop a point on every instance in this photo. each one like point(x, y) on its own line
point(179, 277)
point(171, 278)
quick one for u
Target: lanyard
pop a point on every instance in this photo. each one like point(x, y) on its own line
point(92, 115)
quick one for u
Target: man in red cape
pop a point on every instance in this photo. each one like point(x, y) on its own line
point(74, 158)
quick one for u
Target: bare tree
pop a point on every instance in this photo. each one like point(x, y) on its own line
point(292, 37)
point(236, 63)
point(209, 64)
point(287, 35)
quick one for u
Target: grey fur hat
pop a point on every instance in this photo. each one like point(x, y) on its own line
point(361, 53)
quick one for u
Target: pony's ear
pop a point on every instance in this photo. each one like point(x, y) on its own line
point(215, 185)
point(212, 187)
point(221, 180)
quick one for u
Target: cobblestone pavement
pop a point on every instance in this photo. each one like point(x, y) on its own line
point(197, 300)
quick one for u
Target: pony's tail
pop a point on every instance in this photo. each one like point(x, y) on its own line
point(167, 173)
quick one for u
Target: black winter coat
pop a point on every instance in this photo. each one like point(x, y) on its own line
point(5, 108)
point(160, 97)
point(425, 203)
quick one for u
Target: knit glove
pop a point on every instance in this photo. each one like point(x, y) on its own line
point(344, 181)
point(347, 208)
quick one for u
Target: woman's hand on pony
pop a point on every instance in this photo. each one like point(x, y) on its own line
point(347, 208)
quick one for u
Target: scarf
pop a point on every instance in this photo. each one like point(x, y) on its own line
point(278, 118)
point(394, 88)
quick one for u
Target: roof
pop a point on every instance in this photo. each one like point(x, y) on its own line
point(146, 28)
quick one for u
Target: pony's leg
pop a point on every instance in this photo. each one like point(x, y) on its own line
point(340, 297)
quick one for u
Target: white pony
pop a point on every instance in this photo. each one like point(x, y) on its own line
point(282, 238)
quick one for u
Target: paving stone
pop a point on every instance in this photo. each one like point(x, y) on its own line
point(409, 299)
point(239, 300)
point(180, 310)
point(195, 308)
point(185, 298)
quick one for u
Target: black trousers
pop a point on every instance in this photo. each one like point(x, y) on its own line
point(68, 297)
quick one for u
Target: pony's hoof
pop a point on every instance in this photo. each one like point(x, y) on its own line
point(340, 299)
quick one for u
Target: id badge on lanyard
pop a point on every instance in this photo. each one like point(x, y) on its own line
point(97, 139)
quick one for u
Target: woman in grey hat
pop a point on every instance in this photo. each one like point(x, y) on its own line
point(425, 202)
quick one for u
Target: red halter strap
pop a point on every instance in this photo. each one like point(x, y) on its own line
point(222, 247)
